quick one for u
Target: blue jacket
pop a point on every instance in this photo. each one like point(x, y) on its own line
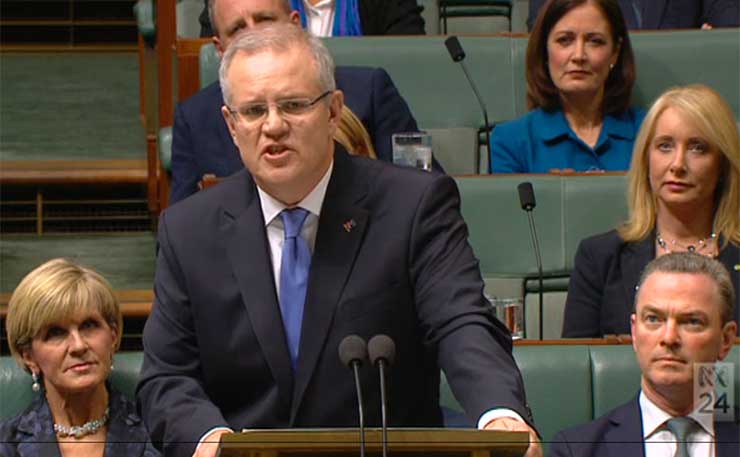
point(540, 141)
point(31, 433)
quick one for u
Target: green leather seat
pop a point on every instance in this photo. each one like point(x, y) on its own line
point(15, 383)
point(557, 381)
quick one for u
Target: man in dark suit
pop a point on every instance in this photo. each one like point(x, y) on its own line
point(377, 17)
point(200, 140)
point(683, 317)
point(260, 278)
point(667, 14)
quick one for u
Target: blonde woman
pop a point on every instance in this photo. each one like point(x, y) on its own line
point(353, 136)
point(64, 325)
point(684, 195)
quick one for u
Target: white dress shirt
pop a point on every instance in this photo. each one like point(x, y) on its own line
point(660, 442)
point(320, 17)
point(271, 209)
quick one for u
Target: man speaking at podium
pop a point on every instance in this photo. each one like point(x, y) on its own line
point(259, 278)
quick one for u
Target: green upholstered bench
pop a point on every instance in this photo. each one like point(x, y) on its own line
point(442, 102)
point(569, 208)
point(567, 385)
point(15, 383)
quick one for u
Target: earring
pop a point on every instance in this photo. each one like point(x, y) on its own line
point(611, 66)
point(35, 386)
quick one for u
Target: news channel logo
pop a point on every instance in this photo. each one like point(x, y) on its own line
point(714, 392)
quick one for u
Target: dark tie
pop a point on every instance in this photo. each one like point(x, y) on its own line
point(681, 427)
point(639, 10)
point(294, 266)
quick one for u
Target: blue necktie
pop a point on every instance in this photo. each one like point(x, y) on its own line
point(294, 266)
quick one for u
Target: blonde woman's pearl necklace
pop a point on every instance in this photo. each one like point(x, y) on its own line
point(673, 246)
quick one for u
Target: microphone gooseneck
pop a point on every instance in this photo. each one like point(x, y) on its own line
point(352, 352)
point(528, 202)
point(382, 351)
point(458, 55)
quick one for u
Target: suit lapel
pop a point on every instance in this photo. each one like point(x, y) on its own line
point(634, 258)
point(245, 238)
point(625, 435)
point(728, 439)
point(341, 227)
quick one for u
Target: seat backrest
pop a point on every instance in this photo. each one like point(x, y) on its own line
point(669, 58)
point(434, 86)
point(557, 381)
point(15, 383)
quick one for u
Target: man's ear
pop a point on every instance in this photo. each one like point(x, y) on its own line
point(633, 321)
point(229, 119)
point(729, 330)
point(335, 110)
point(219, 46)
point(295, 17)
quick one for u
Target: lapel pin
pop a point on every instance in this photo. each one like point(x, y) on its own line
point(349, 225)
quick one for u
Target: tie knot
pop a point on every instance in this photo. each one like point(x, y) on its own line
point(681, 427)
point(293, 220)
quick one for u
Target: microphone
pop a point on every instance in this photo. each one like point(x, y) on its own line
point(382, 352)
point(458, 55)
point(352, 352)
point(528, 202)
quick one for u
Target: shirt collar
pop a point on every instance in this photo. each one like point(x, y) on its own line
point(553, 125)
point(322, 4)
point(653, 418)
point(271, 207)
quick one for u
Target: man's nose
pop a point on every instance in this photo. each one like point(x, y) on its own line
point(274, 123)
point(671, 336)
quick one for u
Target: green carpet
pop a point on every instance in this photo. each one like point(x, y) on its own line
point(126, 260)
point(70, 106)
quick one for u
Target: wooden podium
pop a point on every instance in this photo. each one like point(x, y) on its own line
point(432, 442)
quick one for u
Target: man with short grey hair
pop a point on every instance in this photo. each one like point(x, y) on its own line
point(683, 317)
point(201, 143)
point(261, 277)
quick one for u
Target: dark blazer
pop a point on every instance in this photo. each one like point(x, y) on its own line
point(669, 14)
point(31, 433)
point(201, 142)
point(601, 292)
point(619, 433)
point(378, 17)
point(214, 345)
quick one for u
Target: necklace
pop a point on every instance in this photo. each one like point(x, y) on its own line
point(88, 428)
point(700, 245)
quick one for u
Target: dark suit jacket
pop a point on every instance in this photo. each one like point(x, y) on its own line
point(669, 14)
point(201, 142)
point(378, 17)
point(31, 433)
point(214, 345)
point(619, 433)
point(601, 292)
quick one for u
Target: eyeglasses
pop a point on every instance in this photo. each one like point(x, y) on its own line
point(254, 112)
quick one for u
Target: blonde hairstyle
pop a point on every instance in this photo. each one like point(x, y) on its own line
point(50, 294)
point(706, 111)
point(351, 134)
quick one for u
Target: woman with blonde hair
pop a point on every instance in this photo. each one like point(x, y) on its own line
point(63, 326)
point(683, 195)
point(353, 136)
